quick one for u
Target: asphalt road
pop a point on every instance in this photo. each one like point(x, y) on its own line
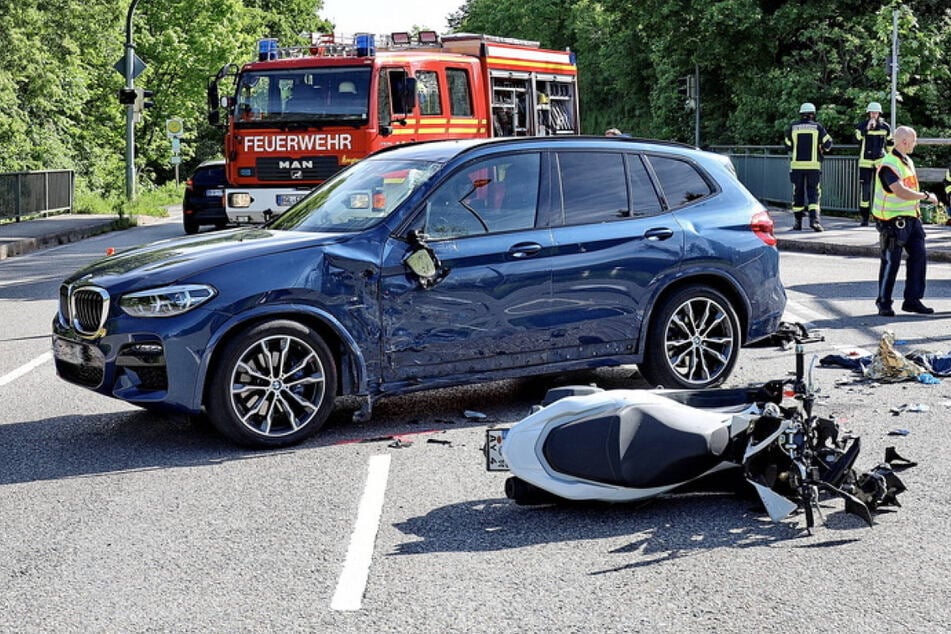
point(114, 519)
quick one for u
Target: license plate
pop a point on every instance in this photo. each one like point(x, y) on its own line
point(286, 200)
point(493, 449)
point(214, 192)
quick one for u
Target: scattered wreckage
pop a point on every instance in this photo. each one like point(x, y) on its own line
point(585, 443)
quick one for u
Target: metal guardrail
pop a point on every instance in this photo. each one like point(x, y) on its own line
point(35, 193)
point(764, 170)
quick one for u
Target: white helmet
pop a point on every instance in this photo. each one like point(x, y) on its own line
point(807, 108)
point(874, 106)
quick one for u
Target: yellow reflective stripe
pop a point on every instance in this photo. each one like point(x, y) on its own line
point(502, 61)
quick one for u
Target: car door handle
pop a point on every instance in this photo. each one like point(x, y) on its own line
point(660, 233)
point(525, 249)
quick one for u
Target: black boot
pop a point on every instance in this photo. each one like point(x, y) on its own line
point(798, 224)
point(814, 221)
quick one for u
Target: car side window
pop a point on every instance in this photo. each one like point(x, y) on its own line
point(644, 196)
point(593, 186)
point(680, 181)
point(489, 196)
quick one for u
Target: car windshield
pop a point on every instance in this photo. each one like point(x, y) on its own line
point(328, 95)
point(358, 197)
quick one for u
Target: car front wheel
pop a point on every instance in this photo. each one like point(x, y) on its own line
point(693, 341)
point(274, 386)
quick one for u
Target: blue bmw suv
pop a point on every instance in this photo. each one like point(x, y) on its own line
point(432, 265)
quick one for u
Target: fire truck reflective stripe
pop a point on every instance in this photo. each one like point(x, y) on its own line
point(463, 130)
point(497, 62)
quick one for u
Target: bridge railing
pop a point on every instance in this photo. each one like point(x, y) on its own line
point(764, 170)
point(28, 194)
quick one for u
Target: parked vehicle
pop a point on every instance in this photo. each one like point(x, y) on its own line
point(632, 445)
point(432, 265)
point(203, 203)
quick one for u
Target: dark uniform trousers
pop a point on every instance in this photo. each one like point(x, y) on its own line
point(806, 192)
point(866, 180)
point(905, 233)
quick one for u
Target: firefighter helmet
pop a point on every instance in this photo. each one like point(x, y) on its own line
point(807, 108)
point(874, 106)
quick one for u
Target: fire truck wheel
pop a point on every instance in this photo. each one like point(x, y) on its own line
point(273, 385)
point(693, 340)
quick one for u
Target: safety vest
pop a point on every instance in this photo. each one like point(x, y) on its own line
point(874, 143)
point(886, 205)
point(807, 140)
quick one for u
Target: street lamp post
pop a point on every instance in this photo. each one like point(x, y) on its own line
point(130, 108)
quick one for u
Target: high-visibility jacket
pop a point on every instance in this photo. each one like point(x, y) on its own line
point(874, 143)
point(947, 186)
point(807, 141)
point(885, 204)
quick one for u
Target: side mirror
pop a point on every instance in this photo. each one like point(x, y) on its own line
point(423, 263)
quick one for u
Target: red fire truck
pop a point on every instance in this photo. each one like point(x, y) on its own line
point(298, 115)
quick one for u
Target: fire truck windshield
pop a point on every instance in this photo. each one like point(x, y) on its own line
point(358, 197)
point(306, 95)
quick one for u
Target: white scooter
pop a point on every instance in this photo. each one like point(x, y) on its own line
point(627, 445)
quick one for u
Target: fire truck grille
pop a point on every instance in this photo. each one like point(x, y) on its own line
point(313, 168)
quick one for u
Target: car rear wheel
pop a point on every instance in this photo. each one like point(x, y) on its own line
point(693, 341)
point(274, 386)
point(190, 225)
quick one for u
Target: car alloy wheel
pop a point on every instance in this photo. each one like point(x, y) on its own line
point(694, 342)
point(278, 382)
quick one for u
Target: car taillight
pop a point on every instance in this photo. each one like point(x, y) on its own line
point(762, 225)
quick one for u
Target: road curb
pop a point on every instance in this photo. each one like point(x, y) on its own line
point(14, 246)
point(826, 248)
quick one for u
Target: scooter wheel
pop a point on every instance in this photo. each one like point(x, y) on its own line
point(527, 494)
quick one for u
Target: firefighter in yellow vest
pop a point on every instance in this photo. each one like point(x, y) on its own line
point(875, 140)
point(895, 207)
point(807, 142)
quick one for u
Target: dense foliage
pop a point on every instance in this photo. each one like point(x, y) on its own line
point(58, 84)
point(757, 60)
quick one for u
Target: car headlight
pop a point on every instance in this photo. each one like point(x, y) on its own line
point(166, 301)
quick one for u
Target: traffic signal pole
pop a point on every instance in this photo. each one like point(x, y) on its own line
point(130, 108)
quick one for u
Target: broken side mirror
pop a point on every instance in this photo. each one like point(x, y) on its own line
point(422, 261)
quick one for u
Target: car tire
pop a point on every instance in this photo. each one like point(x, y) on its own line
point(693, 341)
point(191, 227)
point(273, 386)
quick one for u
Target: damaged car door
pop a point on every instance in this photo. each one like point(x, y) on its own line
point(467, 287)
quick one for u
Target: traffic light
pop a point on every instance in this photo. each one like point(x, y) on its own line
point(127, 96)
point(143, 99)
point(687, 87)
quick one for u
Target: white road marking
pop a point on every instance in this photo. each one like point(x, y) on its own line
point(353, 580)
point(24, 369)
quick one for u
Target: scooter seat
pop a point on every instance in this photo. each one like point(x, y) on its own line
point(640, 446)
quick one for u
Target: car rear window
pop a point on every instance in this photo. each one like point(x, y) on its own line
point(679, 180)
point(209, 176)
